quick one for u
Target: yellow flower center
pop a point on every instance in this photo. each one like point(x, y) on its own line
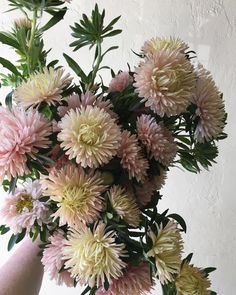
point(75, 197)
point(25, 202)
point(89, 134)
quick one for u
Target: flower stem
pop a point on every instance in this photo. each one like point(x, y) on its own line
point(97, 65)
point(31, 41)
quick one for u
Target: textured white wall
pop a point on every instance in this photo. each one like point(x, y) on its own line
point(206, 201)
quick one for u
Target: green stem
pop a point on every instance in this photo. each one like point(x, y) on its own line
point(31, 41)
point(97, 65)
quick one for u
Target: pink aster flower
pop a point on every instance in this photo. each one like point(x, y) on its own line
point(23, 208)
point(157, 139)
point(45, 86)
point(87, 99)
point(78, 194)
point(152, 46)
point(22, 134)
point(131, 156)
point(89, 135)
point(135, 281)
point(144, 193)
point(53, 260)
point(165, 82)
point(120, 82)
point(210, 107)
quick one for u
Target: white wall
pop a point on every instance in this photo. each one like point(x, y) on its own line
point(206, 201)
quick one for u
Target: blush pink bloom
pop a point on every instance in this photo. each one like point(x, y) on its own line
point(165, 82)
point(89, 135)
point(87, 99)
point(120, 82)
point(131, 156)
point(53, 260)
point(22, 134)
point(210, 107)
point(23, 208)
point(157, 139)
point(78, 194)
point(135, 281)
point(144, 193)
point(152, 46)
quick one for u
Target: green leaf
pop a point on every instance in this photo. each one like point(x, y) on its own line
point(179, 219)
point(86, 290)
point(57, 17)
point(209, 269)
point(7, 39)
point(75, 67)
point(21, 236)
point(106, 284)
point(12, 185)
point(12, 242)
point(112, 33)
point(4, 229)
point(8, 100)
point(188, 258)
point(8, 65)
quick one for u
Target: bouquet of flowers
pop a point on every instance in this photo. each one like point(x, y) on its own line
point(83, 163)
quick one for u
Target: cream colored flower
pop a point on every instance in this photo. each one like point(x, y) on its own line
point(93, 255)
point(165, 82)
point(166, 249)
point(192, 281)
point(78, 195)
point(124, 204)
point(22, 22)
point(155, 44)
point(90, 135)
point(210, 107)
point(45, 86)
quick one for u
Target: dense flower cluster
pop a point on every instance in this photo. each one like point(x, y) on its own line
point(83, 164)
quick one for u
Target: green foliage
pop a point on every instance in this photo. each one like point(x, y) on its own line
point(90, 31)
point(34, 4)
point(4, 229)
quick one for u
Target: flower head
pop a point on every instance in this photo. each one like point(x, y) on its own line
point(131, 156)
point(45, 86)
point(120, 82)
point(192, 281)
point(78, 195)
point(135, 280)
point(22, 133)
point(210, 107)
point(124, 204)
point(87, 99)
point(93, 255)
point(23, 208)
point(22, 22)
point(156, 44)
point(157, 139)
point(53, 260)
point(145, 192)
point(90, 135)
point(165, 82)
point(166, 249)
